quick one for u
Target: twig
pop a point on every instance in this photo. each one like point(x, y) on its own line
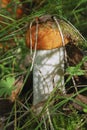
point(43, 117)
point(35, 45)
point(76, 30)
point(23, 105)
point(17, 119)
point(51, 125)
point(74, 83)
point(30, 38)
point(63, 42)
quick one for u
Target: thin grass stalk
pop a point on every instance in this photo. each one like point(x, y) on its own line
point(15, 118)
point(35, 46)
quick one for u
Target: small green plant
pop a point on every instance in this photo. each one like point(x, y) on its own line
point(7, 86)
point(85, 110)
point(76, 70)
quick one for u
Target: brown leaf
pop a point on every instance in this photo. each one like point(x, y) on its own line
point(18, 84)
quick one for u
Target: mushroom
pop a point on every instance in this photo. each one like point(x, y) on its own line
point(44, 37)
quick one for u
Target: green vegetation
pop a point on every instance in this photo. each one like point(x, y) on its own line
point(58, 112)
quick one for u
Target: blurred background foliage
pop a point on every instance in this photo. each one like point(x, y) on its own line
point(74, 11)
point(13, 49)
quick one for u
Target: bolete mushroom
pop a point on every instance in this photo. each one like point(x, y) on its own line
point(48, 68)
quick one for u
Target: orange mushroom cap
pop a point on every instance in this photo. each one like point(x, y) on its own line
point(48, 36)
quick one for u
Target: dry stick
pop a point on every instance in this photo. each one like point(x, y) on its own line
point(28, 97)
point(57, 23)
point(61, 34)
point(35, 46)
point(23, 105)
point(17, 119)
point(30, 38)
point(19, 29)
point(45, 126)
point(76, 30)
point(41, 3)
point(80, 86)
point(74, 83)
point(51, 125)
point(63, 42)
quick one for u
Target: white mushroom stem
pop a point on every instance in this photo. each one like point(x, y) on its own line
point(48, 72)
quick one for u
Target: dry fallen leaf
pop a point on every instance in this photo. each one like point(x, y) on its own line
point(18, 84)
